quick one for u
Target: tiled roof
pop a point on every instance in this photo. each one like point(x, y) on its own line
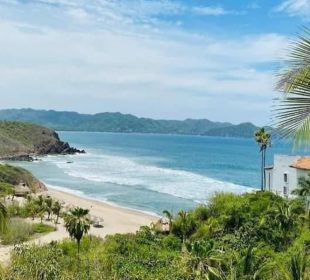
point(302, 163)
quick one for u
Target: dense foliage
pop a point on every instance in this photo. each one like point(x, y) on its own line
point(251, 236)
point(292, 111)
point(117, 122)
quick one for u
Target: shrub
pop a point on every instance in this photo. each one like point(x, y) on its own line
point(18, 231)
point(6, 189)
point(201, 213)
point(37, 263)
point(172, 242)
point(16, 210)
point(42, 228)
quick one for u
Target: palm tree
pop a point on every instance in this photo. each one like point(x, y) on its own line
point(32, 208)
point(3, 218)
point(184, 227)
point(262, 138)
point(170, 218)
point(205, 259)
point(298, 265)
point(303, 190)
point(293, 109)
point(56, 208)
point(40, 201)
point(48, 202)
point(77, 224)
point(284, 217)
point(41, 207)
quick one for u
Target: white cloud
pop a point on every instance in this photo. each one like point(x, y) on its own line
point(295, 8)
point(211, 11)
point(109, 62)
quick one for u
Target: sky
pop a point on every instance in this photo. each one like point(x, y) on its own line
point(164, 59)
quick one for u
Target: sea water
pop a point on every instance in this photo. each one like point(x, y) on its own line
point(152, 172)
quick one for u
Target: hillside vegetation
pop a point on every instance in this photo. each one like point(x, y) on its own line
point(20, 139)
point(117, 122)
point(235, 237)
point(12, 175)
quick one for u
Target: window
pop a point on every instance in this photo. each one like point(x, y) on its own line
point(285, 177)
point(285, 190)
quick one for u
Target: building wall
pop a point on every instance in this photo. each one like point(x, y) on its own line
point(284, 177)
point(269, 179)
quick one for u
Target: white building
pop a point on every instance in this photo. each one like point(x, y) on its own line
point(282, 177)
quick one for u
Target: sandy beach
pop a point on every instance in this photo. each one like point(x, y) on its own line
point(113, 219)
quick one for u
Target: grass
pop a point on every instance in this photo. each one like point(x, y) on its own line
point(21, 137)
point(20, 231)
point(42, 228)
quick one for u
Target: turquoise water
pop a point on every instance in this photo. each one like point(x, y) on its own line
point(154, 172)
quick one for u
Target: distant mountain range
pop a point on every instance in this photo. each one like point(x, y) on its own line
point(117, 122)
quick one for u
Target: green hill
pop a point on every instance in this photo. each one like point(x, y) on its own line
point(19, 140)
point(241, 130)
point(12, 175)
point(117, 122)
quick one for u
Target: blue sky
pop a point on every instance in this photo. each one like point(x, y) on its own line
point(170, 59)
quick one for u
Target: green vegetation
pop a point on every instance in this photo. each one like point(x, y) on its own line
point(251, 236)
point(18, 231)
point(293, 116)
point(262, 138)
point(77, 224)
point(42, 228)
point(24, 138)
point(245, 130)
point(12, 175)
point(21, 141)
point(3, 218)
point(117, 122)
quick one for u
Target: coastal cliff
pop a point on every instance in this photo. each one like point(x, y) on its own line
point(13, 175)
point(24, 141)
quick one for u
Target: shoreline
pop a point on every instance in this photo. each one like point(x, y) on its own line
point(82, 195)
point(116, 219)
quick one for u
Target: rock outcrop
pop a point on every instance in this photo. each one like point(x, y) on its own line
point(25, 141)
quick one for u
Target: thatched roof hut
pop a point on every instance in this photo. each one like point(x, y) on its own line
point(21, 190)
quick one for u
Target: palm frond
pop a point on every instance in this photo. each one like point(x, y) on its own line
point(293, 109)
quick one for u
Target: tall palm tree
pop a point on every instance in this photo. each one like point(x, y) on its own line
point(32, 208)
point(56, 208)
point(184, 227)
point(205, 259)
point(293, 109)
point(77, 224)
point(169, 216)
point(263, 139)
point(48, 202)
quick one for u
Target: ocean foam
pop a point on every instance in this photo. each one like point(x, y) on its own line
point(132, 172)
point(101, 199)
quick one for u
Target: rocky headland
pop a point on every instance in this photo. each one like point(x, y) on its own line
point(21, 141)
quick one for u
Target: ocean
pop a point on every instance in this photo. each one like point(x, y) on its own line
point(150, 172)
